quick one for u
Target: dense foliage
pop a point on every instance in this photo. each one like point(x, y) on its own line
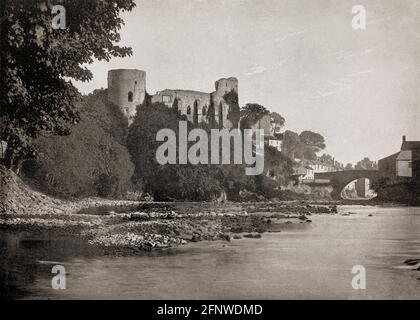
point(251, 113)
point(232, 100)
point(37, 61)
point(90, 161)
point(402, 190)
point(303, 146)
point(192, 182)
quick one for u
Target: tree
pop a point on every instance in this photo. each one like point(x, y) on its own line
point(279, 166)
point(348, 166)
point(326, 158)
point(233, 115)
point(308, 153)
point(141, 139)
point(278, 119)
point(175, 106)
point(37, 63)
point(251, 113)
point(292, 146)
point(88, 162)
point(171, 181)
point(313, 140)
point(366, 164)
point(303, 146)
point(211, 115)
point(312, 143)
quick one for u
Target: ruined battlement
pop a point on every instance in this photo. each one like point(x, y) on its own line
point(127, 89)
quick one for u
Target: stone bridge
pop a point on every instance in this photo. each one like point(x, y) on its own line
point(340, 179)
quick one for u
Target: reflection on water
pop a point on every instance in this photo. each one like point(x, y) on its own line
point(311, 262)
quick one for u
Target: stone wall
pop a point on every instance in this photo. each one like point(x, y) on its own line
point(388, 166)
point(221, 108)
point(195, 104)
point(127, 89)
point(190, 103)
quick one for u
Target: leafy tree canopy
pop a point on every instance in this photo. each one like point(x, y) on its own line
point(313, 140)
point(231, 99)
point(88, 162)
point(305, 145)
point(278, 119)
point(37, 63)
point(251, 113)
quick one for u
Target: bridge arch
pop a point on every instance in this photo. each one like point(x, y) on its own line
point(340, 179)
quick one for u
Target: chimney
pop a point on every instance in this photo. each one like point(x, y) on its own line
point(403, 138)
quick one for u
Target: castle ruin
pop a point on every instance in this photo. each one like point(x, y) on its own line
point(127, 89)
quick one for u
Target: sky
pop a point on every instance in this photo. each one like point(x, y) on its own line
point(300, 58)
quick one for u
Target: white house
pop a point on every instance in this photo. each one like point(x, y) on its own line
point(405, 164)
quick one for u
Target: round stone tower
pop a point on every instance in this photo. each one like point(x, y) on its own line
point(225, 85)
point(127, 89)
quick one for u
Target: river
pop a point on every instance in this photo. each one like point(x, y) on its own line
point(308, 261)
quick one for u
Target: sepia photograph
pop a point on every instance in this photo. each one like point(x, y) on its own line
point(209, 150)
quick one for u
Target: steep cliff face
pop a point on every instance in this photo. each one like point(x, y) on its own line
point(18, 199)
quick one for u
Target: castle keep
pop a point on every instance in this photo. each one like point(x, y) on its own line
point(127, 89)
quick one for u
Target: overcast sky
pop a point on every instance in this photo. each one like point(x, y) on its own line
point(300, 58)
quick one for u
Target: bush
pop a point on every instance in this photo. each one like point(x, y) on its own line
point(405, 191)
point(192, 182)
point(88, 162)
point(167, 182)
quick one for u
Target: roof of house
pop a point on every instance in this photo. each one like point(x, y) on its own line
point(394, 155)
point(410, 145)
point(405, 155)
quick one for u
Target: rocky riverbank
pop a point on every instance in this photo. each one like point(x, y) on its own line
point(152, 226)
point(126, 227)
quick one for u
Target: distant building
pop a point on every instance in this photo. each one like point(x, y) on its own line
point(272, 131)
point(388, 166)
point(366, 164)
point(195, 104)
point(304, 170)
point(303, 174)
point(127, 90)
point(319, 167)
point(403, 164)
point(408, 161)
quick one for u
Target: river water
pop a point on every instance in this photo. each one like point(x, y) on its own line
point(307, 261)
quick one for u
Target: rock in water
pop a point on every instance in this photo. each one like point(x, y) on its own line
point(412, 262)
point(253, 235)
point(226, 237)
